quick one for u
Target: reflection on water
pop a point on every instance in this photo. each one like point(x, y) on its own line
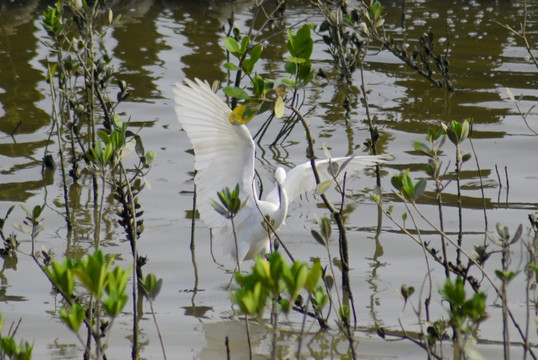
point(156, 44)
point(19, 79)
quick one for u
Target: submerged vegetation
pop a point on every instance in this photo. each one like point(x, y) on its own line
point(97, 148)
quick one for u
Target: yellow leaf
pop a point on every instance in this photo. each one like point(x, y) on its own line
point(241, 115)
point(280, 91)
point(324, 186)
point(279, 107)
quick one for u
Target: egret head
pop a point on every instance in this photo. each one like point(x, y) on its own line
point(280, 175)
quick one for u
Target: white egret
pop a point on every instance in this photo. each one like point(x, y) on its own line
point(224, 157)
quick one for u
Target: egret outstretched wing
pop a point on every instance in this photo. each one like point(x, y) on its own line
point(224, 157)
point(300, 179)
point(224, 152)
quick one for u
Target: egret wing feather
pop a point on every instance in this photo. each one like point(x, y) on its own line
point(300, 179)
point(224, 152)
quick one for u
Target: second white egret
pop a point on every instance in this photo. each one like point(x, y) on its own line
point(225, 157)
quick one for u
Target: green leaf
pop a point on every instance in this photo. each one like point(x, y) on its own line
point(103, 135)
point(231, 45)
point(420, 187)
point(343, 312)
point(91, 271)
point(301, 275)
point(290, 68)
point(9, 346)
point(396, 181)
point(475, 308)
point(454, 292)
point(464, 130)
point(505, 275)
point(248, 66)
point(289, 83)
point(62, 276)
point(295, 60)
point(236, 92)
point(232, 67)
point(534, 267)
point(117, 121)
point(320, 240)
point(109, 151)
point(256, 53)
point(300, 47)
point(333, 169)
point(150, 157)
point(258, 85)
point(74, 318)
point(433, 167)
point(244, 44)
point(420, 146)
point(314, 275)
point(325, 227)
point(37, 210)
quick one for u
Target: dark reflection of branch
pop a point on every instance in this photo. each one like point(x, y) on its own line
point(194, 310)
point(193, 248)
point(506, 203)
point(480, 177)
point(350, 139)
point(500, 187)
point(9, 262)
point(375, 265)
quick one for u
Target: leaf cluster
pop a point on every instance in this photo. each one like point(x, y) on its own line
point(230, 203)
point(276, 279)
point(94, 274)
point(407, 187)
point(265, 95)
point(466, 312)
point(298, 64)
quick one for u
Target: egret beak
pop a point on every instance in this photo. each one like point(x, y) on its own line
point(279, 195)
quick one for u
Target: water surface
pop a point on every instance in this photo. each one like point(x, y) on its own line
point(158, 43)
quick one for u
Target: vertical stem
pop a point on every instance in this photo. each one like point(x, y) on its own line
point(303, 325)
point(55, 115)
point(158, 328)
point(504, 293)
point(238, 263)
point(275, 332)
point(371, 127)
point(98, 332)
point(460, 210)
point(248, 337)
point(334, 212)
point(438, 188)
point(193, 220)
point(134, 248)
point(100, 214)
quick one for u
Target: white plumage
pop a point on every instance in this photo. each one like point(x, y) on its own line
point(224, 157)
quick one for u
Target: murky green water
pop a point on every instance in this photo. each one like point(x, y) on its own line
point(158, 43)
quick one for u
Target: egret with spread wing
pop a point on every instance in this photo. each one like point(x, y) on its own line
point(224, 157)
